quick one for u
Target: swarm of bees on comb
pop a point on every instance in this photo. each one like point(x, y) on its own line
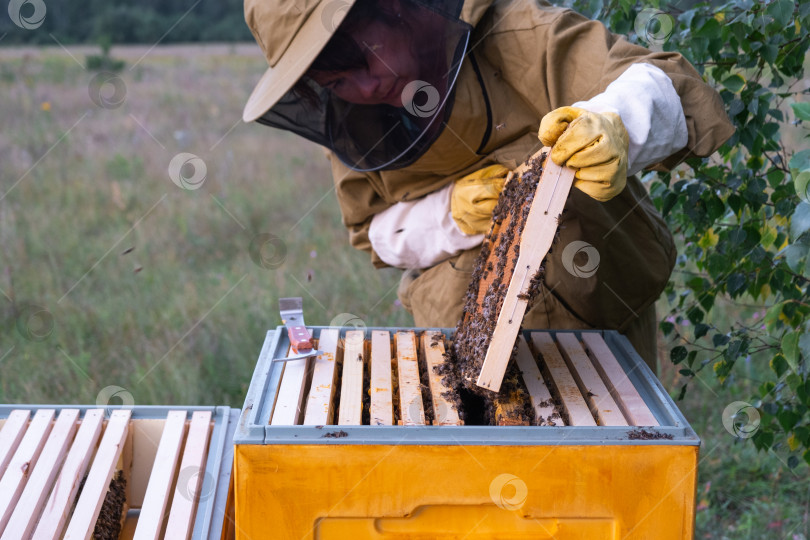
point(492, 273)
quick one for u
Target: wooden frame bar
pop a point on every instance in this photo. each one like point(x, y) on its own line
point(549, 200)
point(617, 381)
point(21, 465)
point(412, 412)
point(56, 510)
point(602, 405)
point(320, 410)
point(288, 409)
point(11, 435)
point(545, 412)
point(158, 490)
point(98, 479)
point(190, 478)
point(381, 387)
point(28, 508)
point(444, 412)
point(572, 401)
point(350, 412)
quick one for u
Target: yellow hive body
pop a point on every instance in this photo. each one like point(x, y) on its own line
point(419, 492)
point(589, 479)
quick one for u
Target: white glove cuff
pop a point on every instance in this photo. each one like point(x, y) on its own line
point(645, 99)
point(419, 234)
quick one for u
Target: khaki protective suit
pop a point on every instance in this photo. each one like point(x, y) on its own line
point(525, 59)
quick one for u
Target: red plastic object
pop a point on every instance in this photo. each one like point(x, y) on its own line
point(300, 338)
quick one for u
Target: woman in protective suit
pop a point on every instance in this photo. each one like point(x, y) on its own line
point(425, 105)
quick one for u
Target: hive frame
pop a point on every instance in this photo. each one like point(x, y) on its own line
point(210, 514)
point(254, 425)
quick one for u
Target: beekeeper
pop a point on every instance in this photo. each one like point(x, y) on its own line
point(424, 106)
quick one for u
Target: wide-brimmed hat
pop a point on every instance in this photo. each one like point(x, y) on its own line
point(366, 135)
point(291, 33)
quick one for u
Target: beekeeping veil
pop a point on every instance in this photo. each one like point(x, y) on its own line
point(293, 35)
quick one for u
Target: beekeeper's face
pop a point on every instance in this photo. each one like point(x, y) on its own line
point(391, 65)
point(378, 90)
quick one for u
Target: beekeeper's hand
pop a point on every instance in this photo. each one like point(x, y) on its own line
point(595, 144)
point(474, 197)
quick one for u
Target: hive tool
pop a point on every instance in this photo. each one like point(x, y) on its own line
point(292, 315)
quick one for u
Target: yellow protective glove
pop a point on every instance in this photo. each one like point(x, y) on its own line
point(474, 197)
point(595, 144)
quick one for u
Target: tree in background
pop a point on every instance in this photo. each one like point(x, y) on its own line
point(146, 21)
point(740, 292)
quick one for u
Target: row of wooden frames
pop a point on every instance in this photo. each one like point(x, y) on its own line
point(569, 382)
point(57, 470)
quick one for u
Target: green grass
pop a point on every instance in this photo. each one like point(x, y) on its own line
point(152, 288)
point(181, 317)
point(742, 493)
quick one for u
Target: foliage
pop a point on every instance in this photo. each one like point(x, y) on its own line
point(147, 21)
point(742, 218)
point(103, 61)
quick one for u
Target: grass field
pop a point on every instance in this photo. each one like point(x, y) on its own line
point(111, 275)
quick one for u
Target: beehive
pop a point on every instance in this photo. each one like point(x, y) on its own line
point(141, 472)
point(361, 442)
